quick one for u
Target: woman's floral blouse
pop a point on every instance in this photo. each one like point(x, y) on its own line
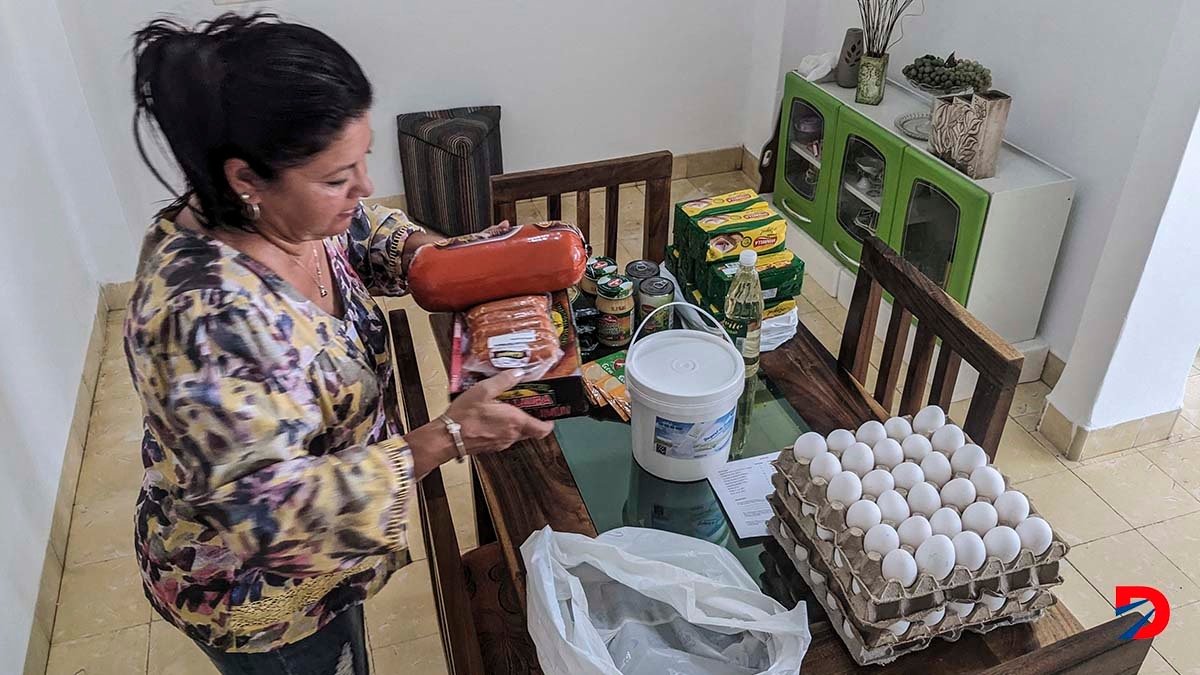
point(277, 483)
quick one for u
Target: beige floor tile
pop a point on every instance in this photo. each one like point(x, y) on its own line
point(404, 610)
point(114, 380)
point(101, 530)
point(825, 332)
point(110, 474)
point(456, 473)
point(531, 212)
point(1029, 422)
point(423, 656)
point(173, 653)
point(1128, 558)
point(1156, 665)
point(37, 654)
point(1029, 399)
point(721, 183)
point(683, 190)
point(1077, 514)
point(49, 583)
point(1021, 457)
point(836, 315)
point(1178, 644)
point(817, 295)
point(462, 509)
point(803, 306)
point(116, 428)
point(1085, 603)
point(100, 597)
point(1179, 540)
point(1181, 462)
point(1138, 490)
point(121, 652)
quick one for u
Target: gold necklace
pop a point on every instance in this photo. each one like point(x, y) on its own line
point(318, 278)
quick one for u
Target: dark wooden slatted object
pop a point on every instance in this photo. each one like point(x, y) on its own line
point(939, 318)
point(1097, 651)
point(654, 168)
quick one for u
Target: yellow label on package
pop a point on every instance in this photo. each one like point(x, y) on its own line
point(698, 206)
point(762, 231)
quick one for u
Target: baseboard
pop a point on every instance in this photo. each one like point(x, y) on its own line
point(53, 562)
point(1078, 443)
point(1053, 369)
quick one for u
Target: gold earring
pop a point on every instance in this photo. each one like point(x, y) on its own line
point(252, 210)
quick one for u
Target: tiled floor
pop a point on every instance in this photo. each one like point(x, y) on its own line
point(1133, 517)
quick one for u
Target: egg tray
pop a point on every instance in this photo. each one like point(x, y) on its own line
point(868, 649)
point(873, 626)
point(880, 598)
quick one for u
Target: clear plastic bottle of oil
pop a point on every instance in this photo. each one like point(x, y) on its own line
point(744, 311)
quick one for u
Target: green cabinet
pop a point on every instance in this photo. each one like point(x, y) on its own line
point(938, 221)
point(803, 175)
point(866, 171)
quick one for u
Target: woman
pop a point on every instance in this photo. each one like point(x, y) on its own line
point(277, 486)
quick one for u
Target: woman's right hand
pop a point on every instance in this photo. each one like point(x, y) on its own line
point(487, 425)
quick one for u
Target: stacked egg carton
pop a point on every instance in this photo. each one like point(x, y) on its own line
point(912, 535)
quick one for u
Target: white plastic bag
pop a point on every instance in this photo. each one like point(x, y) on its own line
point(774, 332)
point(635, 601)
point(817, 67)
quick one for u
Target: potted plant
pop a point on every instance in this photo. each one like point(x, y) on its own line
point(879, 19)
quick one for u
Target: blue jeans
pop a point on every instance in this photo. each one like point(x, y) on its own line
point(339, 648)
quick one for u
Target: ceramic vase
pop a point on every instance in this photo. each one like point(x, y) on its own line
point(872, 77)
point(849, 58)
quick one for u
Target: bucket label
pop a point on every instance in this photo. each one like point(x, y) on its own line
point(693, 440)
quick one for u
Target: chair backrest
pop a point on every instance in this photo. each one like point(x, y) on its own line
point(1096, 651)
point(654, 168)
point(938, 317)
point(460, 642)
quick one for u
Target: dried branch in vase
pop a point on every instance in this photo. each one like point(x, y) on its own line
point(879, 20)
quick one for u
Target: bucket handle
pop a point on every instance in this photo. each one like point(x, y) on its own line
point(638, 332)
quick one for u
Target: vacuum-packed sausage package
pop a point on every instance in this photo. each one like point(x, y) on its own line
point(512, 333)
point(505, 261)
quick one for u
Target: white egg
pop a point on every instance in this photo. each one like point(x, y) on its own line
point(935, 617)
point(993, 602)
point(937, 468)
point(923, 498)
point(946, 521)
point(959, 493)
point(968, 458)
point(881, 539)
point(916, 447)
point(809, 445)
point(1002, 542)
point(979, 518)
point(969, 550)
point(899, 627)
point(899, 565)
point(897, 428)
point(825, 465)
point(862, 514)
point(962, 609)
point(914, 531)
point(871, 432)
point(844, 488)
point(1035, 535)
point(888, 453)
point(1026, 596)
point(929, 420)
point(935, 557)
point(877, 482)
point(948, 439)
point(838, 440)
point(859, 459)
point(892, 507)
point(989, 484)
point(1012, 507)
point(906, 475)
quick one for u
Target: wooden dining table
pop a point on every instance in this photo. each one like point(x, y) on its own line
point(531, 486)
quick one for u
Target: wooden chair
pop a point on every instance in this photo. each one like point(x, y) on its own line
point(654, 168)
point(938, 317)
point(481, 620)
point(1096, 651)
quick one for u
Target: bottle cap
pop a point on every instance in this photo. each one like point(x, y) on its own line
point(748, 258)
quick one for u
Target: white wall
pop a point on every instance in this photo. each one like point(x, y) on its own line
point(53, 209)
point(1081, 74)
point(578, 80)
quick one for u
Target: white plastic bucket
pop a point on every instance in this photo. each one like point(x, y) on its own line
point(684, 387)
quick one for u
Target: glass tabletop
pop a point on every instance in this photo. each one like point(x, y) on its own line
point(618, 492)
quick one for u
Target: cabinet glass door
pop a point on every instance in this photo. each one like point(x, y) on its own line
point(931, 231)
point(805, 145)
point(860, 189)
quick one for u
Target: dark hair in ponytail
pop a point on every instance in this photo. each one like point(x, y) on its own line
point(251, 87)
